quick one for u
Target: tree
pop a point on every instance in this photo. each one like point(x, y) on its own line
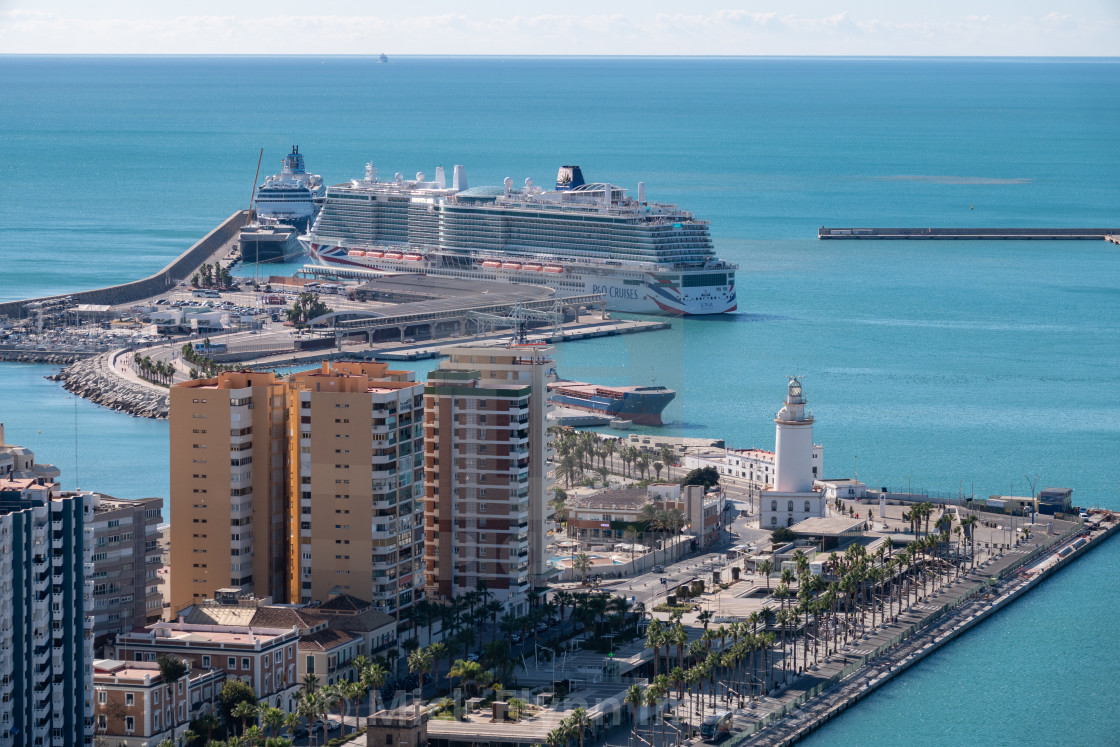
point(419, 661)
point(170, 669)
point(657, 467)
point(582, 564)
point(516, 708)
point(706, 476)
point(581, 722)
point(765, 567)
point(244, 710)
point(782, 535)
point(635, 697)
point(234, 692)
point(307, 307)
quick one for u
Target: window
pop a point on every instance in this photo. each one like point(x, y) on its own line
point(129, 699)
point(205, 662)
point(789, 505)
point(773, 521)
point(773, 505)
point(245, 664)
point(129, 724)
point(231, 663)
point(807, 509)
point(102, 696)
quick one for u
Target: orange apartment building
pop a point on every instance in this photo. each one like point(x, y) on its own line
point(298, 488)
point(356, 474)
point(227, 504)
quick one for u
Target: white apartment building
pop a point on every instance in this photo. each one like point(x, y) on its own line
point(46, 631)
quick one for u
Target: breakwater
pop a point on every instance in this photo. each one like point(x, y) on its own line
point(43, 356)
point(966, 233)
point(94, 379)
point(951, 613)
point(181, 268)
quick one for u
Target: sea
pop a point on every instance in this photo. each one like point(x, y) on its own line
point(954, 367)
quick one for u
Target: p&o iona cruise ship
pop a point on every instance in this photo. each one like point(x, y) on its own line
point(580, 238)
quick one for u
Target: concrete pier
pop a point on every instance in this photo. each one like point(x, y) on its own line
point(967, 233)
point(813, 700)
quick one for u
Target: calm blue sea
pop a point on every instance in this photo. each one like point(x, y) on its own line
point(948, 365)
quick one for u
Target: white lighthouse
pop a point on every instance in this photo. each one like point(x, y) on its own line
point(792, 498)
point(793, 443)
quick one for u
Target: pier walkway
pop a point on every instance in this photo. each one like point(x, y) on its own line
point(967, 233)
point(818, 696)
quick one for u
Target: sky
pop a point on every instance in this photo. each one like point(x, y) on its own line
point(1068, 28)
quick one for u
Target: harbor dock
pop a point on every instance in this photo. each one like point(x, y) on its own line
point(819, 696)
point(969, 233)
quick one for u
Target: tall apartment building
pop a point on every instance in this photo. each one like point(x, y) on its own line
point(356, 485)
point(485, 473)
point(46, 634)
point(126, 558)
point(227, 503)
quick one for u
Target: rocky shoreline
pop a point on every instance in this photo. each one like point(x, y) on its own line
point(94, 379)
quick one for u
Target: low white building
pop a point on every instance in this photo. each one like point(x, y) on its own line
point(841, 488)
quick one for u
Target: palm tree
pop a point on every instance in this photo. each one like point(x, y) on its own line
point(309, 683)
point(372, 676)
point(765, 567)
point(655, 639)
point(437, 650)
point(273, 718)
point(582, 564)
point(244, 710)
point(635, 697)
point(419, 661)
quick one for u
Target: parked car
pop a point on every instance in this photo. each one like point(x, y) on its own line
point(659, 569)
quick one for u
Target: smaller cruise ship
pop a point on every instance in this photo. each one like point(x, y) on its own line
point(291, 196)
point(638, 404)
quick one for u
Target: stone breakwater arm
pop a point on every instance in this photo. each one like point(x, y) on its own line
point(97, 380)
point(180, 269)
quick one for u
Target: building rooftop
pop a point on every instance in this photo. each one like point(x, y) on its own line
point(252, 614)
point(624, 498)
point(325, 640)
point(828, 526)
point(195, 633)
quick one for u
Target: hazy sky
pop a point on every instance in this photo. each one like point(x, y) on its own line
point(651, 27)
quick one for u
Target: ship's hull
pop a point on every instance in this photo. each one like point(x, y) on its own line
point(269, 245)
point(643, 408)
point(630, 291)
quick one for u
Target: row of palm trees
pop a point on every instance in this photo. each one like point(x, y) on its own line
point(814, 620)
point(155, 371)
point(577, 452)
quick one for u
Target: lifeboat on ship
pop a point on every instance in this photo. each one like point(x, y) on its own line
point(392, 255)
point(413, 257)
point(375, 255)
point(532, 268)
point(492, 265)
point(355, 253)
point(511, 265)
point(554, 269)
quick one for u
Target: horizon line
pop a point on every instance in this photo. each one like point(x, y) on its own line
point(377, 55)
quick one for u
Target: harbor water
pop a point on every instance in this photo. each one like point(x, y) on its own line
point(972, 366)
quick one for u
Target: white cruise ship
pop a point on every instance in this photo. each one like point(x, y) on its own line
point(289, 197)
point(645, 257)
